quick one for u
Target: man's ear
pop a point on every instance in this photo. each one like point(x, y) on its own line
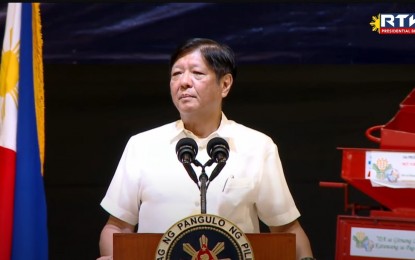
point(226, 84)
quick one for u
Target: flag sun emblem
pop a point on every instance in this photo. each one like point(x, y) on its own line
point(9, 73)
point(375, 23)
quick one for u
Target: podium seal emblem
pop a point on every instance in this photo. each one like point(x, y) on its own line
point(204, 237)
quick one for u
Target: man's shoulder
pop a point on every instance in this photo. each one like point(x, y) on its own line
point(242, 131)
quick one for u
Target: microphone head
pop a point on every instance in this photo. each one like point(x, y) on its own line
point(218, 148)
point(186, 148)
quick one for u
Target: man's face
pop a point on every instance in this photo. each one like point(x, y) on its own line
point(194, 87)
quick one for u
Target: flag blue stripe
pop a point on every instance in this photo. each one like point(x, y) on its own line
point(30, 239)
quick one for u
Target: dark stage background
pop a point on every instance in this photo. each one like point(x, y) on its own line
point(312, 76)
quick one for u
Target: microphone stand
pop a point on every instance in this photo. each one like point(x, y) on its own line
point(203, 178)
point(186, 150)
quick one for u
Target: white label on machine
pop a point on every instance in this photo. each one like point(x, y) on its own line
point(386, 243)
point(391, 169)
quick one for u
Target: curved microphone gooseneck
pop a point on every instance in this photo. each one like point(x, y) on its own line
point(218, 150)
point(186, 150)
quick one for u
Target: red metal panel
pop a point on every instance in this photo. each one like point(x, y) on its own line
point(346, 223)
point(399, 132)
point(353, 171)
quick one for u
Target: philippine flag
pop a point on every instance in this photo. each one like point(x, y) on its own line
point(23, 215)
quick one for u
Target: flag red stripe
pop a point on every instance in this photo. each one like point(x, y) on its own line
point(7, 181)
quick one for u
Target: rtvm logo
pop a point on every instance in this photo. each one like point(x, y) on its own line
point(395, 23)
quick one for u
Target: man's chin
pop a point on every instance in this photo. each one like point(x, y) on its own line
point(187, 108)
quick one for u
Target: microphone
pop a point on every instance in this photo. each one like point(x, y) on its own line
point(186, 150)
point(218, 150)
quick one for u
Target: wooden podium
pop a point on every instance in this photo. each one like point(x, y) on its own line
point(265, 246)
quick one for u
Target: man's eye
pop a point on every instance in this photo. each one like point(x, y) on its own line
point(175, 74)
point(198, 75)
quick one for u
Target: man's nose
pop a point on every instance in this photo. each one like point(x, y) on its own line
point(186, 80)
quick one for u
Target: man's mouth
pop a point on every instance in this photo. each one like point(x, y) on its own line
point(182, 96)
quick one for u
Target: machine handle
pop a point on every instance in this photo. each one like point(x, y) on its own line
point(327, 184)
point(369, 133)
